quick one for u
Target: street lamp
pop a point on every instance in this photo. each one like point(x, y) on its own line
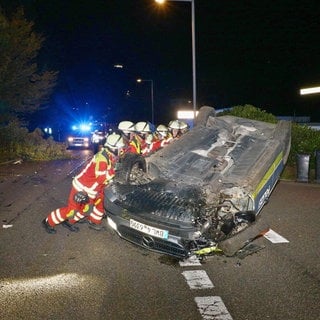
point(194, 83)
point(152, 105)
point(310, 90)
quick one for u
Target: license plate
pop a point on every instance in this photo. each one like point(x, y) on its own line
point(152, 231)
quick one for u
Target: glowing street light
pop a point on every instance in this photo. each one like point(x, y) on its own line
point(152, 100)
point(193, 52)
point(310, 90)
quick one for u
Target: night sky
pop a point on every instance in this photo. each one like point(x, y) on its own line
point(247, 52)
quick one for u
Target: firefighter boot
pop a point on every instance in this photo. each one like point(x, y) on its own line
point(94, 226)
point(83, 220)
point(47, 227)
point(70, 226)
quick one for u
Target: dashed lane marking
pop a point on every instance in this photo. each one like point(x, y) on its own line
point(198, 279)
point(212, 308)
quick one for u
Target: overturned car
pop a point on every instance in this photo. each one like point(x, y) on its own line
point(202, 190)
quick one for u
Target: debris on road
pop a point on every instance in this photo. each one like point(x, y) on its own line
point(274, 237)
point(6, 226)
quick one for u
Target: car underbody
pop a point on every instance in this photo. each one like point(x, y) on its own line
point(202, 190)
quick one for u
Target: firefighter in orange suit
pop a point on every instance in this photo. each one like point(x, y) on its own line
point(128, 133)
point(165, 137)
point(134, 143)
point(177, 128)
point(86, 197)
point(143, 131)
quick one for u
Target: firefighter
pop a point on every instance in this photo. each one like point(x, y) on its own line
point(132, 140)
point(127, 129)
point(85, 203)
point(177, 128)
point(160, 138)
point(96, 141)
point(165, 137)
point(143, 130)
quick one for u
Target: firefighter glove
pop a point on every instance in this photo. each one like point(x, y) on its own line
point(81, 197)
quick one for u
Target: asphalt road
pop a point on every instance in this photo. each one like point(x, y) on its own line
point(97, 275)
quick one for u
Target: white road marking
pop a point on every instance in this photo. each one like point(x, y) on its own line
point(275, 237)
point(191, 261)
point(198, 279)
point(212, 308)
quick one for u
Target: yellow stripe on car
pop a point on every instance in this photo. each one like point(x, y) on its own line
point(268, 174)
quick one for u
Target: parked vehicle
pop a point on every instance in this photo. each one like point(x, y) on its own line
point(78, 139)
point(202, 190)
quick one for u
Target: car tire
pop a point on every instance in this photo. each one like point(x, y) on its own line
point(129, 164)
point(204, 113)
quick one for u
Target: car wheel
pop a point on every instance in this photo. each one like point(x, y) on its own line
point(132, 167)
point(204, 113)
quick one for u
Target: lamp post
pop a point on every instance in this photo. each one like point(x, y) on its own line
point(194, 82)
point(152, 98)
point(310, 90)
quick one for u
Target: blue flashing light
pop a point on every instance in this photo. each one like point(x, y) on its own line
point(85, 127)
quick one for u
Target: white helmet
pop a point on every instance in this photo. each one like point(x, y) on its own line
point(177, 124)
point(114, 141)
point(162, 128)
point(126, 126)
point(142, 127)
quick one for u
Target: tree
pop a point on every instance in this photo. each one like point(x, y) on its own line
point(23, 86)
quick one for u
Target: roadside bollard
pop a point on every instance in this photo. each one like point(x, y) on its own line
point(303, 167)
point(317, 171)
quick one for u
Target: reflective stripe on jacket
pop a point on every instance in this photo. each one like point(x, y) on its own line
point(98, 173)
